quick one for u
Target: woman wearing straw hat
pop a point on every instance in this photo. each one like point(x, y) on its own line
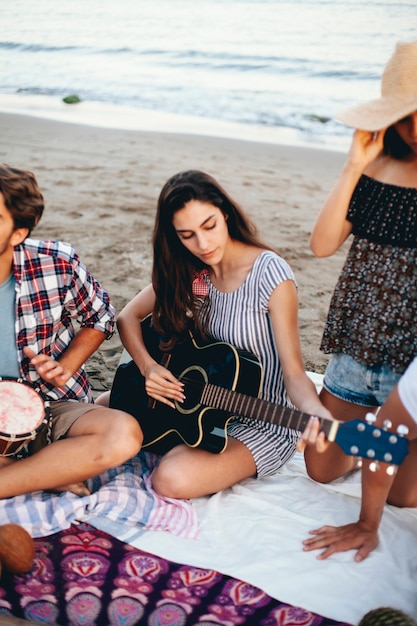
point(371, 329)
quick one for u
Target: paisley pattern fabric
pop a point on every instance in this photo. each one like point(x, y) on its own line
point(84, 577)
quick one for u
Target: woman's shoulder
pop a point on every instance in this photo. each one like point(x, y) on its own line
point(272, 262)
point(378, 165)
point(386, 170)
point(270, 256)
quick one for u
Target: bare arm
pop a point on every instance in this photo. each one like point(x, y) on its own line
point(129, 327)
point(362, 535)
point(83, 345)
point(283, 307)
point(160, 384)
point(332, 228)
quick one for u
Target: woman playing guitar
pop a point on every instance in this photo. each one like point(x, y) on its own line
point(210, 265)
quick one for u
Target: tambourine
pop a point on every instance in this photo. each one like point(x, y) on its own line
point(23, 414)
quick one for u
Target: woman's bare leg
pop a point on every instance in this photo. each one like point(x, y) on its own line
point(326, 466)
point(192, 472)
point(404, 488)
point(103, 399)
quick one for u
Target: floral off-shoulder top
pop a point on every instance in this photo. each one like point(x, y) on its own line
point(373, 311)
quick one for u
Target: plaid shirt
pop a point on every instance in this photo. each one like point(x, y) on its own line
point(53, 288)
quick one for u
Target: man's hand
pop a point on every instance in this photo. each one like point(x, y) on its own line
point(356, 536)
point(50, 370)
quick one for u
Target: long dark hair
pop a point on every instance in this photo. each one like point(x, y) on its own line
point(173, 265)
point(394, 146)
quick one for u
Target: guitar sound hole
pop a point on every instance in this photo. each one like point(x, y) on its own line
point(194, 379)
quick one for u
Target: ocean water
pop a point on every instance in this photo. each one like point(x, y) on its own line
point(273, 68)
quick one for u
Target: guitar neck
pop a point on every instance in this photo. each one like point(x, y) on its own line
point(237, 403)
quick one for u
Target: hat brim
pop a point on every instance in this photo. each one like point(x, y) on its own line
point(378, 114)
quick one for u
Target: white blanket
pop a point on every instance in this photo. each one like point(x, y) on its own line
point(254, 532)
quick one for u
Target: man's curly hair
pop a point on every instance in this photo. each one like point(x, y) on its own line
point(22, 196)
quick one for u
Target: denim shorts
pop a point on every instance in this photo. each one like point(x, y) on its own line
point(356, 383)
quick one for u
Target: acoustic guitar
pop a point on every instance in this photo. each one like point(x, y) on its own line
point(222, 382)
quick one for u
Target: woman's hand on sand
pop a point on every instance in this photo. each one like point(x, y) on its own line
point(356, 536)
point(161, 385)
point(365, 148)
point(312, 436)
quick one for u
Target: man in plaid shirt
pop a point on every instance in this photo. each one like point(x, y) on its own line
point(44, 287)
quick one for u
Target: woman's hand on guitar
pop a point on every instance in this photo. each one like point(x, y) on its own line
point(312, 436)
point(161, 385)
point(358, 535)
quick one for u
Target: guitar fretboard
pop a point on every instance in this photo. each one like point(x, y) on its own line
point(237, 403)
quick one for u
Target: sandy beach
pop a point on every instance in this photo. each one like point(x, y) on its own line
point(101, 186)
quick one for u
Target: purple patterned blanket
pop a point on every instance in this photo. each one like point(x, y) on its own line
point(84, 577)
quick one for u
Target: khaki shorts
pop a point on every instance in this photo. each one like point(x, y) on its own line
point(63, 414)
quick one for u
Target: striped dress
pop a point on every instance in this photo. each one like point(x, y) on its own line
point(241, 318)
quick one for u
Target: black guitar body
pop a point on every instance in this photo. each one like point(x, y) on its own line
point(220, 382)
point(192, 422)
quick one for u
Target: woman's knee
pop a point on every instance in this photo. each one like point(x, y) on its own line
point(318, 474)
point(408, 500)
point(170, 481)
point(324, 467)
point(103, 399)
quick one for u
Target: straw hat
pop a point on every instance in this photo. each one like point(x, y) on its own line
point(398, 93)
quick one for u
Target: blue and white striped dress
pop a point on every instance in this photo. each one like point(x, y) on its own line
point(241, 318)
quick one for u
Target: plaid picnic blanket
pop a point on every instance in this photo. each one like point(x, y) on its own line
point(123, 495)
